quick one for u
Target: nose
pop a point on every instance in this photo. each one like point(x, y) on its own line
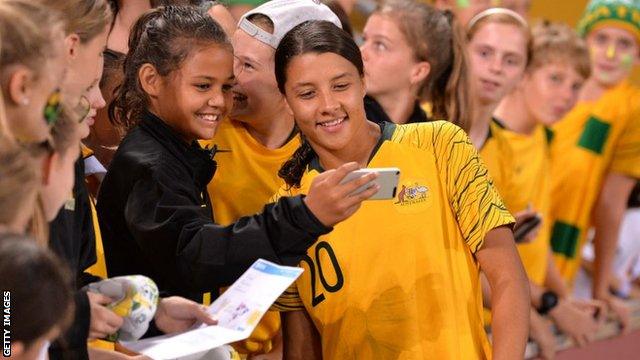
point(218, 100)
point(364, 51)
point(329, 103)
point(495, 64)
point(100, 101)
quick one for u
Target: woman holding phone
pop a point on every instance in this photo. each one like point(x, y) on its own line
point(400, 278)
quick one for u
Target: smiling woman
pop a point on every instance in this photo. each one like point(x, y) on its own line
point(448, 216)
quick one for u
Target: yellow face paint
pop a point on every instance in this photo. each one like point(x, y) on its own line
point(611, 51)
point(496, 2)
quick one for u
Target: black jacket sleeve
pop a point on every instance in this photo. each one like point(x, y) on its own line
point(163, 214)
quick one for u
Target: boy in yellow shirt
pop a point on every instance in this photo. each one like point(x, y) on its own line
point(595, 149)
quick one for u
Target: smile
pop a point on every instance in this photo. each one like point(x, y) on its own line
point(209, 117)
point(332, 123)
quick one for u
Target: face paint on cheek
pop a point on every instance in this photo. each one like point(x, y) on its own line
point(496, 2)
point(627, 61)
point(604, 76)
point(611, 52)
point(463, 4)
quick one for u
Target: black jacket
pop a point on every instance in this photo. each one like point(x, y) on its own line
point(72, 238)
point(156, 218)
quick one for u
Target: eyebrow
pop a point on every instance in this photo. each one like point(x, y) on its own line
point(337, 77)
point(379, 36)
point(209, 78)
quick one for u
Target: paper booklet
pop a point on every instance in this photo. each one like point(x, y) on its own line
point(239, 309)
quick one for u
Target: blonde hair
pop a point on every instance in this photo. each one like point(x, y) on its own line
point(86, 18)
point(27, 33)
point(436, 38)
point(502, 16)
point(555, 42)
point(20, 179)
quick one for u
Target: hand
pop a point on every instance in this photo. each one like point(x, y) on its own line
point(104, 322)
point(621, 311)
point(575, 321)
point(176, 314)
point(541, 332)
point(521, 217)
point(332, 202)
point(596, 307)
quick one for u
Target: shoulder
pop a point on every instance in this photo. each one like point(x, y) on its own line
point(429, 135)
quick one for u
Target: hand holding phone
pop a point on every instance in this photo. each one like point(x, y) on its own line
point(387, 180)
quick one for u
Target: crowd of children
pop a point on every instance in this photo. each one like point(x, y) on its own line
point(182, 140)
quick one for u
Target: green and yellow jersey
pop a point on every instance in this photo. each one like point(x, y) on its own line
point(530, 177)
point(593, 139)
point(398, 279)
point(245, 179)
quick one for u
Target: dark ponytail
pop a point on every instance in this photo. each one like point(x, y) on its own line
point(310, 37)
point(162, 37)
point(293, 169)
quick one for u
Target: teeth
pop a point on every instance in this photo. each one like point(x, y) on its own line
point(332, 122)
point(209, 117)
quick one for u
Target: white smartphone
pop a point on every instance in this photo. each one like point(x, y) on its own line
point(387, 180)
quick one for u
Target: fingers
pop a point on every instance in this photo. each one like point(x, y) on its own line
point(353, 185)
point(99, 298)
point(334, 177)
point(201, 314)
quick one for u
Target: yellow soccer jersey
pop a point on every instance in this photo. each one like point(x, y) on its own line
point(245, 179)
point(593, 139)
point(398, 279)
point(497, 154)
point(531, 177)
point(247, 173)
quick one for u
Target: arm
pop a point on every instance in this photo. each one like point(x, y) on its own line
point(607, 216)
point(500, 262)
point(300, 337)
point(172, 223)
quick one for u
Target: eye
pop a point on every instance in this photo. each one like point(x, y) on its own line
point(512, 61)
point(601, 39)
point(483, 53)
point(555, 78)
point(624, 44)
point(341, 86)
point(227, 87)
point(306, 94)
point(202, 86)
point(379, 45)
point(576, 87)
point(247, 66)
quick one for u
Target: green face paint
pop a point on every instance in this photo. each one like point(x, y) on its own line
point(627, 61)
point(463, 3)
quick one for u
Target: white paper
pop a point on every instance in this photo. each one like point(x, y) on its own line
point(239, 309)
